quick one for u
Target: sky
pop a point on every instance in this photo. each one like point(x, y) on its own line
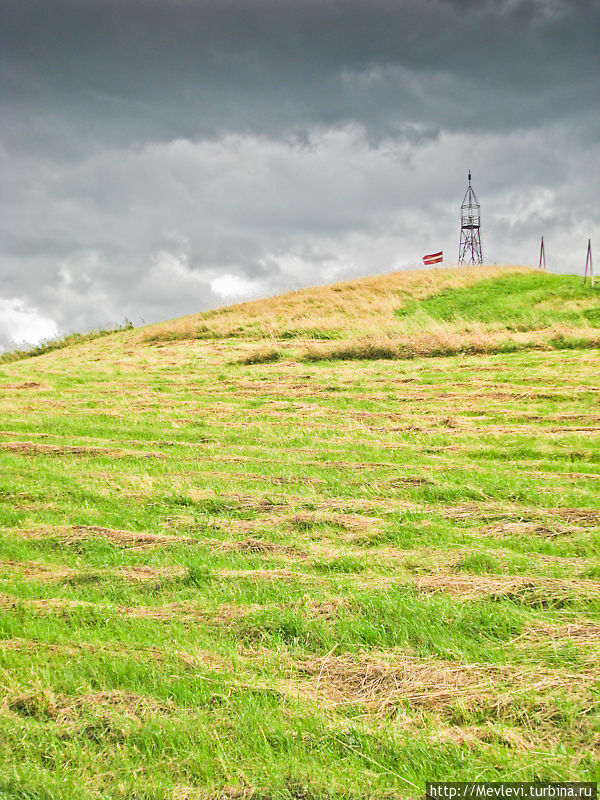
point(162, 157)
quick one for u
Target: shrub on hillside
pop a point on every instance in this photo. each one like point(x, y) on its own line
point(263, 356)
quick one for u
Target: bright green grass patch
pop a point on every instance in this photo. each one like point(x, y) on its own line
point(520, 302)
point(434, 625)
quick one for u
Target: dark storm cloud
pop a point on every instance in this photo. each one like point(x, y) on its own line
point(162, 157)
point(121, 70)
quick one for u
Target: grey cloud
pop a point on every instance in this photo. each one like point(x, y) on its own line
point(125, 70)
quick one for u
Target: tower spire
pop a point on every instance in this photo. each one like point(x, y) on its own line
point(469, 249)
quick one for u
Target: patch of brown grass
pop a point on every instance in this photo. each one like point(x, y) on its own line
point(34, 571)
point(139, 540)
point(25, 385)
point(45, 705)
point(171, 612)
point(522, 589)
point(252, 477)
point(584, 632)
point(271, 575)
point(350, 523)
point(350, 527)
point(223, 793)
point(547, 531)
point(252, 545)
point(504, 513)
point(582, 516)
point(239, 502)
point(382, 682)
point(324, 609)
point(35, 448)
point(194, 658)
point(38, 571)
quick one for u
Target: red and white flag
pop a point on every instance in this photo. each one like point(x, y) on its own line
point(434, 258)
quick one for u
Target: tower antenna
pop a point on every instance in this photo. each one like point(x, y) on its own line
point(542, 264)
point(469, 249)
point(588, 263)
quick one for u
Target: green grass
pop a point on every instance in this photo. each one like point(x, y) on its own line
point(520, 302)
point(281, 579)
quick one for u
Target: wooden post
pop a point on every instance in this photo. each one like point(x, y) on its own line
point(588, 263)
point(542, 256)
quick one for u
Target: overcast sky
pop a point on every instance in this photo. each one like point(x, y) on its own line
point(160, 157)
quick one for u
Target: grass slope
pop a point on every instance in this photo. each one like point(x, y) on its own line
point(406, 314)
point(319, 577)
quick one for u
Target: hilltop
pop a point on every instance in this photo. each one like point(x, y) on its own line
point(327, 545)
point(403, 314)
point(421, 312)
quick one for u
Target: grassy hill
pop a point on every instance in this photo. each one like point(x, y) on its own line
point(327, 545)
point(405, 314)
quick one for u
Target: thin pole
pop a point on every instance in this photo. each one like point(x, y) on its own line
point(588, 262)
point(542, 256)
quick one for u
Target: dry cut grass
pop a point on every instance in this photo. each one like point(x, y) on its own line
point(354, 307)
point(382, 682)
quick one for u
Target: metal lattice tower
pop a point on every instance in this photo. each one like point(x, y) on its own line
point(469, 250)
